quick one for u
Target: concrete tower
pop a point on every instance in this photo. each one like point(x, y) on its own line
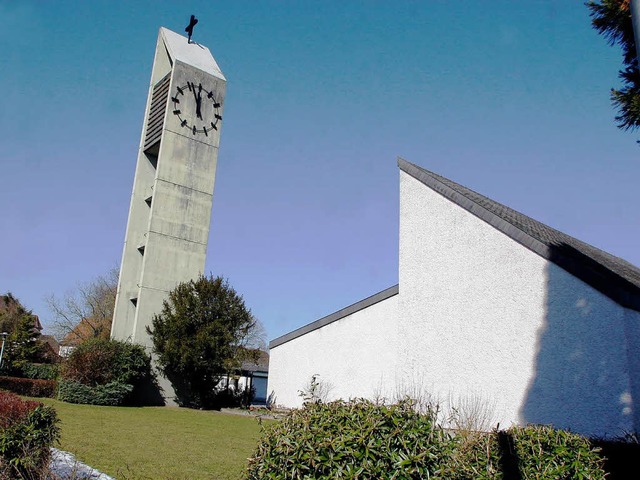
point(170, 212)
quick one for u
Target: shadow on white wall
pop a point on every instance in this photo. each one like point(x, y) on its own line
point(582, 369)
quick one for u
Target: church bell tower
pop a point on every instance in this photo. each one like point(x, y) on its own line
point(170, 211)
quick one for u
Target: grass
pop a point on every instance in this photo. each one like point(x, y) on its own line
point(157, 442)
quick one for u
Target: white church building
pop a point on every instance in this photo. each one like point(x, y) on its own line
point(491, 306)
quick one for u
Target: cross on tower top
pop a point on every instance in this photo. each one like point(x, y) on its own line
point(189, 29)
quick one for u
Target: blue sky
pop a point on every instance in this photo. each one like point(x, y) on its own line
point(507, 98)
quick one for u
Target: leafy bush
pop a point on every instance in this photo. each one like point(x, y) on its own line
point(360, 439)
point(36, 371)
point(356, 439)
point(27, 432)
point(545, 453)
point(113, 393)
point(99, 361)
point(29, 387)
point(104, 372)
point(535, 451)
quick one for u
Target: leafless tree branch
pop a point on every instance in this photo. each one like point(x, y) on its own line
point(91, 303)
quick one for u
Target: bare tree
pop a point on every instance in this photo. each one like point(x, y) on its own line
point(257, 338)
point(88, 310)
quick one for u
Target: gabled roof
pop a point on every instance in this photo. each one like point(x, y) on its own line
point(51, 341)
point(51, 344)
point(611, 275)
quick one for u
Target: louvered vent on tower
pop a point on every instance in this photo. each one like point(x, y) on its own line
point(155, 121)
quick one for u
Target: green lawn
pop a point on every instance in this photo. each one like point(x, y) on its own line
point(157, 442)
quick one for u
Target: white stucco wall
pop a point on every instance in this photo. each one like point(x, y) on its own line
point(481, 324)
point(483, 318)
point(354, 357)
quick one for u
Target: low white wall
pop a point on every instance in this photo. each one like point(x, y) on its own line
point(484, 320)
point(354, 356)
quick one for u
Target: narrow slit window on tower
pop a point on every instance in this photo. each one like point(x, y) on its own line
point(141, 249)
point(134, 301)
point(148, 200)
point(153, 160)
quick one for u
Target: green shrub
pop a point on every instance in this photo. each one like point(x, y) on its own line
point(36, 371)
point(356, 439)
point(29, 387)
point(27, 432)
point(98, 361)
point(359, 439)
point(547, 454)
point(533, 452)
point(201, 332)
point(104, 372)
point(112, 393)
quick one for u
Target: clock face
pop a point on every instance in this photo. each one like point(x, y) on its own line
point(196, 108)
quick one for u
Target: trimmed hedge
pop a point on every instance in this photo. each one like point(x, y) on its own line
point(27, 432)
point(113, 393)
point(29, 387)
point(360, 439)
point(36, 371)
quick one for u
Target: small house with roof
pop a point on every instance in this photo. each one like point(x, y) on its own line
point(494, 311)
point(254, 373)
point(250, 378)
point(85, 329)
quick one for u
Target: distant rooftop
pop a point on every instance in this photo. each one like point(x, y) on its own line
point(261, 364)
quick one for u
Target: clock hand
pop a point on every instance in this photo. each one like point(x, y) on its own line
point(198, 101)
point(192, 87)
